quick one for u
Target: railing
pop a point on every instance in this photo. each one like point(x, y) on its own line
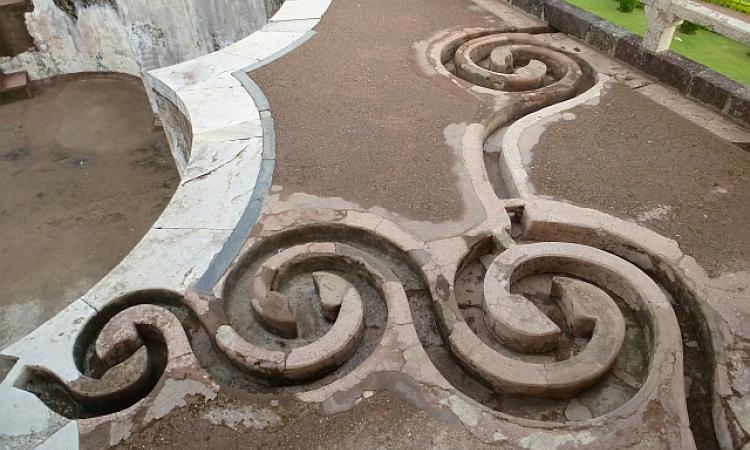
point(665, 15)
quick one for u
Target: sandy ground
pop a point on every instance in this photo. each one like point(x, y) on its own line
point(636, 159)
point(356, 120)
point(379, 422)
point(83, 175)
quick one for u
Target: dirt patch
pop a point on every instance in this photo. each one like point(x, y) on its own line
point(632, 157)
point(381, 421)
point(83, 175)
point(355, 119)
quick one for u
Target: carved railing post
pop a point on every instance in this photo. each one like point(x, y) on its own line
point(663, 16)
point(661, 25)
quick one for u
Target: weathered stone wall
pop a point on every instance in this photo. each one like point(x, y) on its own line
point(130, 36)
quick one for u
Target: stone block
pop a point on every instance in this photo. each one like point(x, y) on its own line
point(331, 289)
point(629, 48)
point(568, 18)
point(604, 35)
point(273, 311)
point(739, 106)
point(533, 7)
point(670, 68)
point(713, 88)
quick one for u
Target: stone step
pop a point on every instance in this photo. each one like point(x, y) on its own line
point(15, 81)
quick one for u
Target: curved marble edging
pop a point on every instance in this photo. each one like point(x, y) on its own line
point(225, 175)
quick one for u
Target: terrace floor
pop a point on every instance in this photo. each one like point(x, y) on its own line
point(457, 218)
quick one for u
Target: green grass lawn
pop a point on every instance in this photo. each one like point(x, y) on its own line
point(713, 50)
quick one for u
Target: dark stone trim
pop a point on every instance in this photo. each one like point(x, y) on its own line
point(222, 260)
point(534, 7)
point(671, 69)
point(688, 77)
point(712, 88)
point(628, 48)
point(569, 19)
point(605, 35)
point(739, 105)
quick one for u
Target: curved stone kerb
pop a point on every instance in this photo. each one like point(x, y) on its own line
point(511, 162)
point(331, 350)
point(335, 347)
point(210, 104)
point(226, 132)
point(520, 325)
point(120, 347)
point(564, 70)
point(579, 372)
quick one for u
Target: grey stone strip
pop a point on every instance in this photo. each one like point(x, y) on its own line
point(252, 88)
point(222, 260)
point(232, 246)
point(305, 37)
point(690, 78)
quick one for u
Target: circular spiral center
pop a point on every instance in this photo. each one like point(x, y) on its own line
point(516, 63)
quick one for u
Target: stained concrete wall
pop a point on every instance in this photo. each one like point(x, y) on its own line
point(130, 36)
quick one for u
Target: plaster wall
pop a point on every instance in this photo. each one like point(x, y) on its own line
point(130, 36)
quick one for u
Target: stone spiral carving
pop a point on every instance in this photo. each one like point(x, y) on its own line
point(124, 358)
point(338, 301)
point(583, 281)
point(120, 345)
point(517, 63)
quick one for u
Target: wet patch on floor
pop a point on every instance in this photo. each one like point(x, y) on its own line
point(83, 175)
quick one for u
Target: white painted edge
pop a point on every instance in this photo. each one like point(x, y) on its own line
point(216, 186)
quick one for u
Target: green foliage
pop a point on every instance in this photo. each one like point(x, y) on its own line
point(627, 6)
point(689, 27)
point(713, 50)
point(737, 5)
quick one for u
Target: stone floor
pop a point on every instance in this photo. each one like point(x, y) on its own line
point(83, 175)
point(632, 157)
point(604, 214)
point(358, 140)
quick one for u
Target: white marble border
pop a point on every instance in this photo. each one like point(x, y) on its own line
point(228, 144)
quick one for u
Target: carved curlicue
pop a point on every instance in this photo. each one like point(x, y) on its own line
point(498, 338)
point(123, 369)
point(515, 63)
point(340, 303)
point(582, 295)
